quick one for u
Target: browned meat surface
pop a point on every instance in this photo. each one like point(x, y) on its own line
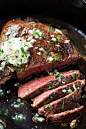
point(50, 48)
point(61, 104)
point(65, 117)
point(36, 87)
point(61, 91)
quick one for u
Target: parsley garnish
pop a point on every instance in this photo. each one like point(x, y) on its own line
point(46, 102)
point(50, 28)
point(57, 76)
point(59, 38)
point(46, 106)
point(51, 87)
point(63, 105)
point(74, 76)
point(38, 45)
point(7, 27)
point(34, 24)
point(12, 70)
point(62, 76)
point(50, 108)
point(52, 97)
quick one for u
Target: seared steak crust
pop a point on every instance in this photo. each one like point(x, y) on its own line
point(61, 91)
point(65, 117)
point(61, 104)
point(51, 48)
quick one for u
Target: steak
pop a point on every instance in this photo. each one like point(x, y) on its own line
point(65, 117)
point(61, 91)
point(38, 86)
point(29, 48)
point(61, 104)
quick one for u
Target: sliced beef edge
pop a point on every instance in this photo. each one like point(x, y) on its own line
point(61, 104)
point(36, 87)
point(65, 117)
point(61, 91)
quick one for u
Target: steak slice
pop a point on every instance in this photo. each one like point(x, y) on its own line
point(61, 91)
point(47, 48)
point(61, 104)
point(36, 87)
point(65, 117)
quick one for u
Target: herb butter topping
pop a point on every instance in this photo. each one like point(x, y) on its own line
point(15, 50)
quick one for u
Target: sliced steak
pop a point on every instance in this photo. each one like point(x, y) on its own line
point(65, 117)
point(61, 91)
point(47, 48)
point(61, 104)
point(36, 87)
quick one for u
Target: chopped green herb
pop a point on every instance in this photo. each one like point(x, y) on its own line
point(2, 51)
point(69, 97)
point(34, 24)
point(50, 108)
point(58, 58)
point(46, 49)
point(62, 76)
point(12, 70)
point(52, 80)
point(26, 21)
point(41, 89)
point(57, 76)
point(18, 68)
point(42, 29)
point(32, 63)
point(4, 32)
point(59, 38)
point(51, 87)
point(23, 68)
point(46, 106)
point(38, 45)
point(7, 27)
point(63, 105)
point(36, 94)
point(9, 41)
point(46, 102)
point(52, 97)
point(50, 28)
point(74, 76)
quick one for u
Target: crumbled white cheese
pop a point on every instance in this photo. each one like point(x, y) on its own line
point(7, 33)
point(74, 86)
point(73, 123)
point(37, 118)
point(58, 31)
point(41, 49)
point(52, 36)
point(50, 59)
point(53, 39)
point(69, 90)
point(39, 53)
point(64, 90)
point(67, 41)
point(57, 45)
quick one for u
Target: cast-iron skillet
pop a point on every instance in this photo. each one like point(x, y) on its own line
point(57, 13)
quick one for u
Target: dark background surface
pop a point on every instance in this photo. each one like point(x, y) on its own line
point(72, 11)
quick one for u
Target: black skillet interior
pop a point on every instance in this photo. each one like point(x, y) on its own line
point(46, 12)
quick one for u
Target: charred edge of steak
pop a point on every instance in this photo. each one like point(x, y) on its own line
point(65, 117)
point(51, 95)
point(40, 88)
point(61, 104)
